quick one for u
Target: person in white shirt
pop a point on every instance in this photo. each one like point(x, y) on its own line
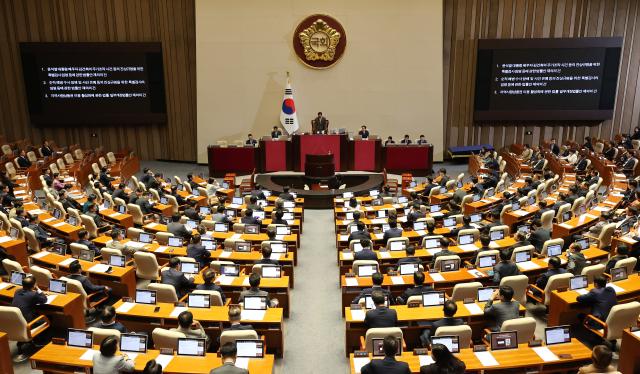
point(572, 158)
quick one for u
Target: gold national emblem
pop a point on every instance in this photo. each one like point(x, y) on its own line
point(319, 41)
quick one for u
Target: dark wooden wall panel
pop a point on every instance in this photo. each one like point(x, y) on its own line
point(171, 22)
point(466, 21)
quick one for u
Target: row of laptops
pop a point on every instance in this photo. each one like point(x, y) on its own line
point(195, 300)
point(248, 228)
point(137, 343)
point(498, 340)
point(408, 269)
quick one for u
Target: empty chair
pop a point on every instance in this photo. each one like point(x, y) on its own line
point(547, 219)
point(230, 336)
point(563, 208)
point(463, 333)
point(18, 330)
point(379, 333)
point(10, 265)
point(216, 264)
point(165, 293)
point(147, 268)
point(111, 157)
point(555, 282)
point(101, 334)
point(136, 213)
point(78, 154)
point(31, 155)
point(463, 291)
point(163, 237)
point(106, 253)
point(593, 271)
point(134, 233)
point(525, 326)
point(163, 338)
point(621, 316)
point(32, 242)
point(577, 204)
point(68, 158)
point(603, 241)
point(90, 225)
point(519, 283)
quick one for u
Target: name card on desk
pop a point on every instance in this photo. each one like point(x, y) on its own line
point(359, 362)
point(252, 315)
point(486, 358)
point(351, 282)
point(474, 309)
point(521, 212)
point(67, 262)
point(545, 354)
point(357, 315)
point(397, 280)
point(125, 307)
point(50, 298)
point(177, 310)
point(437, 277)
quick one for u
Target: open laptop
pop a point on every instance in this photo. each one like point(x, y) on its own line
point(397, 246)
point(17, 277)
point(367, 270)
point(191, 224)
point(145, 237)
point(255, 302)
point(251, 229)
point(230, 270)
point(432, 243)
point(449, 222)
point(259, 214)
point(402, 199)
point(79, 338)
point(208, 244)
point(283, 230)
point(515, 206)
point(13, 232)
point(557, 335)
point(487, 261)
point(133, 343)
point(243, 247)
point(378, 347)
point(278, 247)
point(435, 208)
point(237, 200)
point(251, 348)
point(504, 340)
point(523, 256)
point(230, 213)
point(433, 298)
point(198, 300)
point(566, 216)
point(174, 242)
point(164, 200)
point(476, 217)
point(122, 209)
point(419, 225)
point(408, 269)
point(271, 271)
point(190, 267)
point(584, 243)
point(59, 248)
point(381, 213)
point(87, 255)
point(220, 227)
point(485, 293)
point(450, 265)
point(73, 221)
point(115, 260)
point(578, 282)
point(145, 297)
point(205, 210)
point(618, 274)
point(192, 346)
point(554, 250)
point(465, 239)
point(452, 342)
point(58, 286)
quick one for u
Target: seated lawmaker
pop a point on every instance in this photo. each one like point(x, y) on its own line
point(197, 251)
point(382, 315)
point(389, 364)
point(449, 309)
point(443, 362)
point(554, 269)
point(601, 357)
point(410, 259)
point(366, 253)
point(444, 245)
point(254, 290)
point(276, 133)
point(393, 232)
point(107, 362)
point(250, 140)
point(601, 298)
point(422, 140)
point(360, 233)
point(389, 141)
point(76, 274)
point(505, 310)
point(418, 288)
point(176, 278)
point(377, 279)
point(235, 314)
point(504, 268)
point(364, 133)
point(28, 298)
point(622, 252)
point(228, 354)
point(108, 320)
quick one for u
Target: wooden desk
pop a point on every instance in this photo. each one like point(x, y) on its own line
point(6, 363)
point(564, 307)
point(574, 225)
point(409, 320)
point(246, 260)
point(141, 317)
point(56, 358)
point(55, 226)
point(629, 349)
point(122, 220)
point(16, 248)
point(523, 359)
point(65, 310)
point(122, 279)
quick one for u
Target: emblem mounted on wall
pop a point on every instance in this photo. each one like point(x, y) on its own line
point(319, 41)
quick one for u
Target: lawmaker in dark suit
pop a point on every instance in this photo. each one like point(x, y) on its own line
point(393, 232)
point(28, 298)
point(622, 253)
point(108, 320)
point(320, 125)
point(191, 211)
point(581, 165)
point(177, 279)
point(389, 364)
point(266, 257)
point(505, 310)
point(539, 235)
point(46, 149)
point(360, 233)
point(198, 252)
point(364, 133)
point(366, 253)
point(600, 298)
point(105, 179)
point(406, 140)
point(228, 354)
point(418, 288)
point(449, 308)
point(411, 251)
point(554, 269)
point(23, 160)
point(235, 316)
point(177, 228)
point(554, 147)
point(376, 279)
point(250, 140)
point(276, 133)
point(208, 285)
point(249, 219)
point(444, 245)
point(504, 268)
point(381, 316)
point(286, 195)
point(76, 273)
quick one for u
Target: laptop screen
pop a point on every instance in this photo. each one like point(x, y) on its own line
point(251, 229)
point(243, 247)
point(283, 230)
point(205, 210)
point(115, 260)
point(485, 293)
point(190, 267)
point(554, 250)
point(208, 244)
point(17, 277)
point(164, 200)
point(87, 255)
point(237, 201)
point(435, 208)
point(220, 227)
point(349, 215)
point(432, 243)
point(397, 246)
point(122, 209)
point(196, 300)
point(402, 199)
point(408, 269)
point(433, 298)
point(174, 241)
point(487, 261)
point(523, 256)
point(145, 237)
point(450, 265)
point(451, 342)
point(347, 195)
point(57, 213)
point(378, 347)
point(259, 214)
point(465, 239)
point(191, 347)
point(13, 233)
point(475, 217)
point(230, 270)
point(271, 271)
point(420, 225)
point(133, 343)
point(381, 213)
point(255, 302)
point(289, 204)
point(59, 248)
point(366, 270)
point(504, 340)
point(449, 222)
point(557, 335)
point(578, 282)
point(58, 286)
point(250, 348)
point(566, 216)
point(515, 206)
point(72, 221)
point(584, 243)
point(191, 224)
point(145, 297)
point(79, 338)
point(618, 274)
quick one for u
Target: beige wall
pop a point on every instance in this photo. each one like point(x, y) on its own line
point(389, 78)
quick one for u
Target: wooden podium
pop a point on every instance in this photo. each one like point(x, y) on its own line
point(319, 166)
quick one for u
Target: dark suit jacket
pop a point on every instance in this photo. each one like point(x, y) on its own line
point(440, 323)
point(601, 301)
point(544, 278)
point(268, 261)
point(381, 317)
point(86, 283)
point(199, 253)
point(121, 194)
point(27, 302)
point(23, 162)
point(177, 279)
point(276, 134)
point(367, 292)
point(286, 196)
point(581, 165)
point(106, 180)
point(249, 220)
point(502, 312)
point(504, 269)
point(415, 290)
point(212, 287)
point(435, 369)
point(192, 214)
point(178, 229)
point(392, 233)
point(228, 368)
point(612, 262)
point(46, 151)
point(410, 260)
point(116, 326)
point(144, 204)
point(387, 365)
point(538, 237)
point(357, 235)
point(365, 254)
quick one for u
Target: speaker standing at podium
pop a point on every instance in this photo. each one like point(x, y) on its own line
point(276, 133)
point(319, 125)
point(364, 133)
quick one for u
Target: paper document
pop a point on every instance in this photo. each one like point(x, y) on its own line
point(397, 280)
point(343, 238)
point(252, 315)
point(177, 310)
point(59, 224)
point(474, 309)
point(242, 362)
point(351, 282)
point(616, 288)
point(347, 255)
point(527, 265)
point(4, 239)
point(88, 355)
point(566, 226)
point(50, 298)
point(475, 273)
point(357, 314)
point(4, 285)
point(49, 219)
point(281, 237)
point(114, 215)
point(384, 254)
point(152, 225)
point(99, 268)
point(161, 249)
point(545, 354)
point(236, 236)
point(421, 232)
point(164, 360)
point(486, 358)
point(582, 291)
point(425, 360)
point(379, 236)
point(468, 247)
point(224, 280)
point(433, 251)
point(225, 254)
point(67, 262)
point(125, 307)
point(245, 282)
point(359, 362)
point(437, 277)
point(40, 254)
point(437, 214)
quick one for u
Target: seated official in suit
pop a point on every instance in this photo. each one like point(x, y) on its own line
point(254, 290)
point(176, 278)
point(389, 141)
point(228, 354)
point(191, 211)
point(449, 309)
point(505, 310)
point(602, 358)
point(176, 228)
point(250, 140)
point(364, 133)
point(389, 364)
point(422, 140)
point(46, 149)
point(418, 288)
point(28, 298)
point(76, 273)
point(116, 242)
point(601, 298)
point(253, 203)
point(504, 268)
point(286, 195)
point(360, 233)
point(190, 327)
point(105, 179)
point(41, 235)
point(23, 160)
point(108, 320)
point(208, 277)
point(539, 235)
point(152, 367)
point(415, 213)
point(197, 251)
point(411, 251)
point(276, 133)
point(466, 225)
point(266, 257)
point(444, 245)
point(235, 316)
point(278, 218)
point(377, 280)
point(554, 269)
point(366, 253)
point(107, 362)
point(485, 240)
point(622, 252)
point(443, 362)
point(393, 232)
point(219, 216)
point(320, 125)
point(382, 315)
point(406, 140)
point(249, 219)
point(575, 259)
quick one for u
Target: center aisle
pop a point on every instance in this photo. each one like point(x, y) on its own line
point(314, 334)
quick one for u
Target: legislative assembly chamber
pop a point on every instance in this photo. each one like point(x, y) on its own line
point(274, 187)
